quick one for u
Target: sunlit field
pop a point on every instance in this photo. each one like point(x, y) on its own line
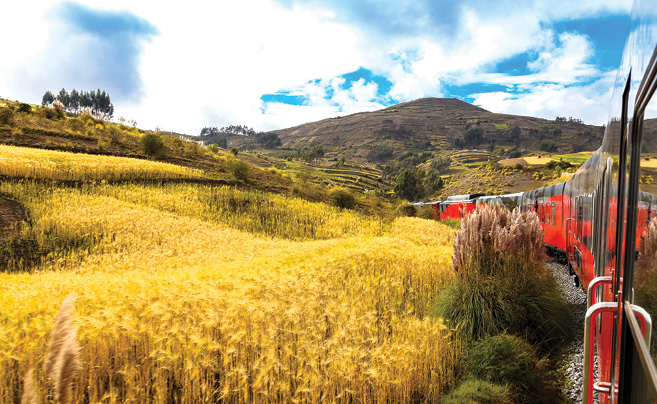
point(22, 162)
point(193, 294)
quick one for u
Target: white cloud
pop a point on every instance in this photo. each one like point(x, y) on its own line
point(213, 61)
point(588, 102)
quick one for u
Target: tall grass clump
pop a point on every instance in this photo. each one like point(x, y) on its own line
point(473, 391)
point(501, 284)
point(510, 361)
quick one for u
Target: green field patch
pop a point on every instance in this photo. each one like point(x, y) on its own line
point(501, 126)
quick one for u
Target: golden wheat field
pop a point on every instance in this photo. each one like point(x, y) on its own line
point(198, 294)
point(23, 162)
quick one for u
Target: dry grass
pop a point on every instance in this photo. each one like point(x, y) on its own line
point(175, 306)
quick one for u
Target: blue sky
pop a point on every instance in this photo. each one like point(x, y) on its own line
point(278, 63)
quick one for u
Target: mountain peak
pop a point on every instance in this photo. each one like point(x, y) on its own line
point(439, 103)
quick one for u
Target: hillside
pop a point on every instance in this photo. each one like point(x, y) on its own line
point(435, 124)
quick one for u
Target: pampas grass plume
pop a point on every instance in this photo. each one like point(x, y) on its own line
point(29, 396)
point(62, 361)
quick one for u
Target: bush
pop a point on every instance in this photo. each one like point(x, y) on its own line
point(151, 144)
point(239, 168)
point(509, 360)
point(406, 209)
point(501, 284)
point(473, 391)
point(114, 134)
point(24, 108)
point(309, 192)
point(342, 198)
point(53, 113)
point(426, 212)
point(6, 116)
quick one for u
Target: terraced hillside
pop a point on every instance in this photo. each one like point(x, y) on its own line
point(433, 124)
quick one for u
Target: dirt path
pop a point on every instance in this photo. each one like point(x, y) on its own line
point(10, 213)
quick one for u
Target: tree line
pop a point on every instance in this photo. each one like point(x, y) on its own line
point(98, 102)
point(212, 134)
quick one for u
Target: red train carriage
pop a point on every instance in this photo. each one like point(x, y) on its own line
point(457, 206)
point(596, 220)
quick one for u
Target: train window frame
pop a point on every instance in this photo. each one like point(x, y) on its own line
point(554, 214)
point(635, 352)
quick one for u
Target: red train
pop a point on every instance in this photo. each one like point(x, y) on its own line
point(594, 223)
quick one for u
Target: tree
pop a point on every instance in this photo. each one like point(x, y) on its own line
point(209, 131)
point(74, 101)
point(409, 185)
point(47, 99)
point(268, 140)
point(62, 96)
point(474, 137)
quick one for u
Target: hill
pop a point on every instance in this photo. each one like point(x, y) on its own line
point(438, 124)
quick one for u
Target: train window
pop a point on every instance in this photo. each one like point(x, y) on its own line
point(554, 214)
point(641, 237)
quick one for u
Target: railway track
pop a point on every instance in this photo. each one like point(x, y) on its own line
point(572, 366)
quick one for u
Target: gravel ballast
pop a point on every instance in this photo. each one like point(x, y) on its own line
point(577, 299)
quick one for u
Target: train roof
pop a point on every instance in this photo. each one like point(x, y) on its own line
point(466, 197)
point(428, 202)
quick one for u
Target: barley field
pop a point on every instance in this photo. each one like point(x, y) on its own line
point(23, 162)
point(198, 294)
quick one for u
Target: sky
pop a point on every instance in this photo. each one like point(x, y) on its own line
point(271, 64)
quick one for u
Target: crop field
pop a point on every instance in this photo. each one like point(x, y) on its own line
point(23, 162)
point(190, 294)
point(578, 158)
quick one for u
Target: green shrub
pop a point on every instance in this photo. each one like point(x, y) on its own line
point(508, 360)
point(309, 192)
point(453, 223)
point(24, 108)
point(425, 212)
point(114, 134)
point(151, 144)
point(6, 116)
point(473, 391)
point(501, 284)
point(406, 209)
point(342, 198)
point(239, 168)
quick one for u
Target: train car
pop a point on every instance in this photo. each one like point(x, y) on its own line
point(547, 203)
point(510, 201)
point(605, 210)
point(433, 204)
point(457, 206)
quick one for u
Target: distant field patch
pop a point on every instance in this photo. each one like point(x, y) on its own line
point(501, 126)
point(537, 161)
point(579, 158)
point(513, 162)
point(652, 163)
